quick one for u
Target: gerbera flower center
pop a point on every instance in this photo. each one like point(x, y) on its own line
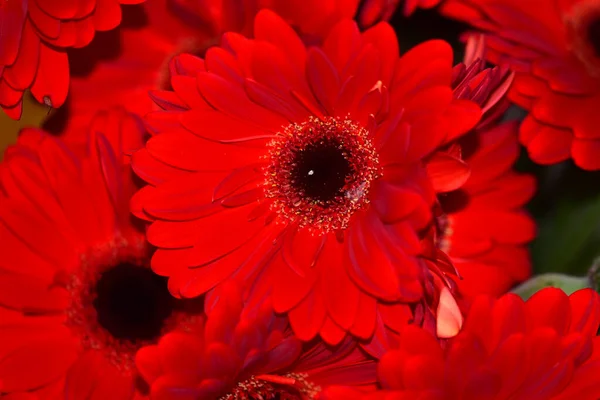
point(272, 387)
point(118, 304)
point(132, 302)
point(319, 172)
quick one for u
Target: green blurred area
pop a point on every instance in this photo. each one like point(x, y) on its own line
point(33, 116)
point(567, 211)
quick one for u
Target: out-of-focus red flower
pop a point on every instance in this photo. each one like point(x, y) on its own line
point(245, 354)
point(373, 11)
point(156, 31)
point(306, 173)
point(77, 296)
point(555, 49)
point(482, 225)
point(34, 38)
point(542, 349)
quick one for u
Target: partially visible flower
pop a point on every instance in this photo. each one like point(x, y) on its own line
point(157, 31)
point(77, 296)
point(542, 349)
point(482, 225)
point(34, 37)
point(373, 11)
point(242, 354)
point(554, 47)
point(318, 166)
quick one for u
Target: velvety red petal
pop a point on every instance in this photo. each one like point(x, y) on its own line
point(51, 83)
point(107, 15)
point(12, 19)
point(36, 364)
point(21, 74)
point(585, 154)
point(308, 317)
point(83, 376)
point(340, 293)
point(447, 173)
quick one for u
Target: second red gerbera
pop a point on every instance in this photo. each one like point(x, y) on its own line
point(77, 296)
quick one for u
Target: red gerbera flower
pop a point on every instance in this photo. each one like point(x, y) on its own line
point(243, 354)
point(482, 225)
point(309, 172)
point(542, 349)
point(555, 48)
point(155, 32)
point(77, 297)
point(33, 41)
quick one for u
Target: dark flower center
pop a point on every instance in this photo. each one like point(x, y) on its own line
point(321, 170)
point(319, 173)
point(594, 35)
point(132, 303)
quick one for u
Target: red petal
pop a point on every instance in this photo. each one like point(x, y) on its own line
point(148, 365)
point(84, 374)
point(322, 78)
point(447, 173)
point(369, 265)
point(331, 333)
point(107, 15)
point(113, 385)
point(58, 9)
point(340, 293)
point(52, 80)
point(366, 314)
point(549, 308)
point(342, 42)
point(545, 144)
point(180, 352)
point(308, 317)
point(36, 364)
point(12, 20)
point(289, 288)
point(585, 311)
point(30, 295)
point(232, 100)
point(383, 37)
point(272, 28)
point(586, 154)
point(21, 74)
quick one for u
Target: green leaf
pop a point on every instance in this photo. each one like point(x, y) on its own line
point(568, 284)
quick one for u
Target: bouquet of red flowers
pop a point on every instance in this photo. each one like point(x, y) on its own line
point(299, 200)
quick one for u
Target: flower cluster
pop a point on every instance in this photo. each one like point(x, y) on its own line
point(269, 200)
